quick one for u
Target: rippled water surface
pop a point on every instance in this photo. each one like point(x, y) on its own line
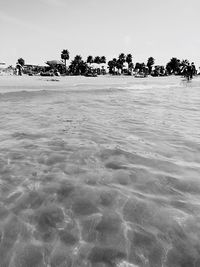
point(99, 172)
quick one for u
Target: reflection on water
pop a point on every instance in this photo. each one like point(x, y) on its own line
point(99, 172)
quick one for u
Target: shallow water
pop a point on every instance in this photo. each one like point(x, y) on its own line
point(99, 172)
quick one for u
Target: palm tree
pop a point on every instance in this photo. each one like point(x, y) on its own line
point(140, 66)
point(184, 62)
point(21, 61)
point(78, 66)
point(121, 60)
point(19, 65)
point(90, 59)
point(78, 58)
point(183, 66)
point(65, 57)
point(103, 59)
point(129, 61)
point(97, 60)
point(112, 65)
point(173, 66)
point(119, 66)
point(129, 58)
point(150, 63)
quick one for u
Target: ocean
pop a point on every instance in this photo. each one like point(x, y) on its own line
point(99, 172)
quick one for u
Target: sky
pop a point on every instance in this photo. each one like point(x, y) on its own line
point(39, 30)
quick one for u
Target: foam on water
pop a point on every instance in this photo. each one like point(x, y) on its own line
point(99, 172)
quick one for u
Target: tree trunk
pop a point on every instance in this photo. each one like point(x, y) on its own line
point(65, 67)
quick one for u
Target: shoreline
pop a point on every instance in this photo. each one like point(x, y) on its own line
point(33, 82)
point(13, 83)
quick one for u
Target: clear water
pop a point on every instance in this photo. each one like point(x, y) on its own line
point(99, 172)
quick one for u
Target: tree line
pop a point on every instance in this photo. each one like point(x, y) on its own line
point(116, 65)
point(123, 64)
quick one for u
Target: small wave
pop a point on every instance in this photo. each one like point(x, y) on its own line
point(94, 91)
point(149, 86)
point(126, 264)
point(52, 80)
point(22, 135)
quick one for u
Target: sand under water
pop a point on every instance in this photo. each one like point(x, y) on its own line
point(99, 172)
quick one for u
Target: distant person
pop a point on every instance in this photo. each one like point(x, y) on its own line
point(19, 69)
point(188, 72)
point(194, 71)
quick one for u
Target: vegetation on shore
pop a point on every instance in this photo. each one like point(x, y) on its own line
point(96, 65)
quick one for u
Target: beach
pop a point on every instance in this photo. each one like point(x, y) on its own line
point(99, 171)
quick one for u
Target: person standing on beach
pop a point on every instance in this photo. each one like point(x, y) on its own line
point(194, 71)
point(187, 71)
point(19, 69)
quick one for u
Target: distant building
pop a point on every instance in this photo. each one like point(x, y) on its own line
point(2, 67)
point(6, 70)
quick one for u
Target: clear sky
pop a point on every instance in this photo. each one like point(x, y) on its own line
point(38, 30)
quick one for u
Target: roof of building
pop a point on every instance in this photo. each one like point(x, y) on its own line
point(54, 62)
